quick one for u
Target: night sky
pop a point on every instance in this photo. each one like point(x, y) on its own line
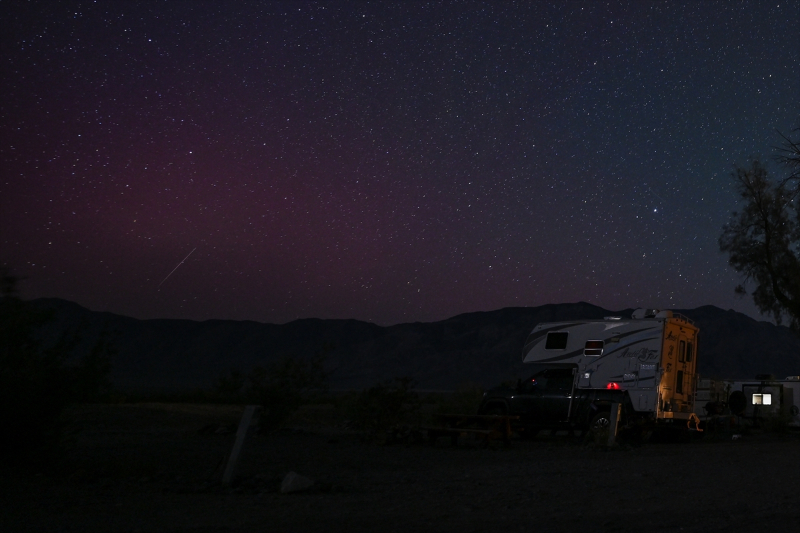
point(389, 162)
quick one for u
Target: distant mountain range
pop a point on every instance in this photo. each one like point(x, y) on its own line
point(483, 347)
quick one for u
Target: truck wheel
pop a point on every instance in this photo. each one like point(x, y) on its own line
point(600, 422)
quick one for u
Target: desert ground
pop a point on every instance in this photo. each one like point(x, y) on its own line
point(158, 468)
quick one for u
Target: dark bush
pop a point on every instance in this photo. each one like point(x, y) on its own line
point(230, 386)
point(387, 405)
point(283, 386)
point(465, 400)
point(88, 376)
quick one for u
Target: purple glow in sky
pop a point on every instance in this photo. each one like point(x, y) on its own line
point(383, 161)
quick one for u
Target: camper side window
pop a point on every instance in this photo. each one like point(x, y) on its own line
point(762, 399)
point(556, 340)
point(682, 351)
point(689, 352)
point(593, 348)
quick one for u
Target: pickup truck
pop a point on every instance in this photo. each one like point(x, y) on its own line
point(547, 400)
point(646, 363)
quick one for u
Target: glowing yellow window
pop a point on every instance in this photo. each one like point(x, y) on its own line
point(762, 399)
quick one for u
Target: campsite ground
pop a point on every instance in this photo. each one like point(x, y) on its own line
point(156, 467)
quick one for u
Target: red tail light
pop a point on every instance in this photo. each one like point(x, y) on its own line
point(613, 386)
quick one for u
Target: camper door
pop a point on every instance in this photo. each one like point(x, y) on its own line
point(678, 361)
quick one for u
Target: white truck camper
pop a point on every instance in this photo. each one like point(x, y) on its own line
point(650, 357)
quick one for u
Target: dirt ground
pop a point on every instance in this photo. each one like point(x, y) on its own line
point(157, 468)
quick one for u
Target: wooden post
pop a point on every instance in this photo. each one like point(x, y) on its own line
point(616, 409)
point(241, 433)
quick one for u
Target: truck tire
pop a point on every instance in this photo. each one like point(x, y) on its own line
point(600, 421)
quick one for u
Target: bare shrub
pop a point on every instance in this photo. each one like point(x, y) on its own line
point(387, 405)
point(463, 401)
point(283, 386)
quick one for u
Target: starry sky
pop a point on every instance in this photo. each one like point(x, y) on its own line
point(384, 161)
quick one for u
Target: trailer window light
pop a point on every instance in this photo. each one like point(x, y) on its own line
point(762, 399)
point(593, 348)
point(613, 386)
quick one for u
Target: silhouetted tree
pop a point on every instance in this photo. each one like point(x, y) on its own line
point(32, 392)
point(37, 381)
point(788, 154)
point(88, 376)
point(229, 386)
point(282, 386)
point(763, 239)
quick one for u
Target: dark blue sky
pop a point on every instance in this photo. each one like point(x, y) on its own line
point(389, 162)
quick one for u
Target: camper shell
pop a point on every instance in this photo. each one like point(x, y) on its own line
point(648, 360)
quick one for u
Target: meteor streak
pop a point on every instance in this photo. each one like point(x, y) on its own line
point(176, 268)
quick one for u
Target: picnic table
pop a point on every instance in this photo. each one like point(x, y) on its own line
point(486, 427)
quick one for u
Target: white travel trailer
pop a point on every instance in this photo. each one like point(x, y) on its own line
point(766, 397)
point(650, 359)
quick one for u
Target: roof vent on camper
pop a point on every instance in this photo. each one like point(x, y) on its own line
point(644, 313)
